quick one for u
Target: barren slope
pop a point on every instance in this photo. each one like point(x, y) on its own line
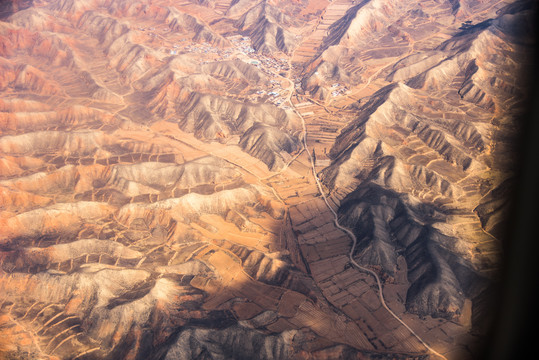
point(157, 192)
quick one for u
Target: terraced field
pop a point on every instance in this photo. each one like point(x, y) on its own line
point(276, 179)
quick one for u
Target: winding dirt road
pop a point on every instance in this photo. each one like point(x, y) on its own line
point(354, 242)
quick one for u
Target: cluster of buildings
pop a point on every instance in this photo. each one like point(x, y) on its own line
point(338, 89)
point(242, 43)
point(248, 54)
point(274, 68)
point(213, 53)
point(275, 95)
point(205, 48)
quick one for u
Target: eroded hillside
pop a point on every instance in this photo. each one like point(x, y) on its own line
point(177, 177)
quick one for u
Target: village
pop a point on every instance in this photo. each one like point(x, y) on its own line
point(274, 66)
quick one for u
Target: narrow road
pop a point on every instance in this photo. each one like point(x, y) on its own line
point(354, 242)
